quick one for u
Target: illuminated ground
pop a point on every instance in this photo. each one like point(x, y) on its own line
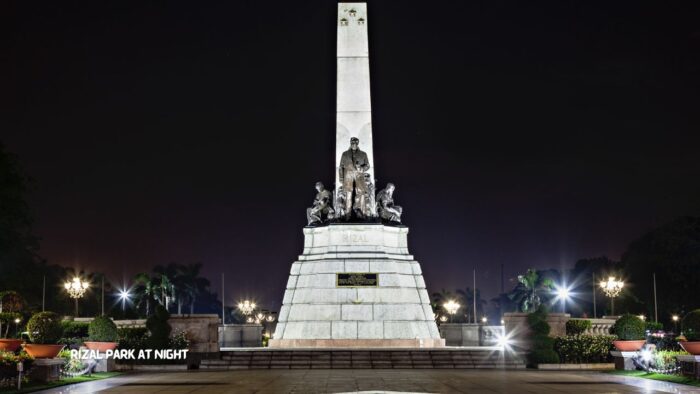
point(337, 381)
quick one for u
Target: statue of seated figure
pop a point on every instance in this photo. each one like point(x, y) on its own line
point(385, 204)
point(321, 209)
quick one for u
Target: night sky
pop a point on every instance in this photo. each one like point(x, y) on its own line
point(529, 134)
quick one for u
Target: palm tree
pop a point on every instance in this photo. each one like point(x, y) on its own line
point(166, 283)
point(145, 287)
point(467, 299)
point(530, 287)
point(193, 284)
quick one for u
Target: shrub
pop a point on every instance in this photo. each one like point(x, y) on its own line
point(130, 333)
point(629, 328)
point(542, 345)
point(664, 342)
point(654, 326)
point(8, 363)
point(584, 348)
point(159, 328)
point(691, 325)
point(179, 340)
point(575, 327)
point(44, 328)
point(102, 329)
point(666, 359)
point(74, 329)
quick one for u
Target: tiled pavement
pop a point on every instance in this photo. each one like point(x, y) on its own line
point(338, 381)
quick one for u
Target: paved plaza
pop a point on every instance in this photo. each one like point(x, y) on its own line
point(339, 381)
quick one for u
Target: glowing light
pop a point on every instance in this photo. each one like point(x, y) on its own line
point(646, 355)
point(563, 292)
point(17, 320)
point(443, 318)
point(612, 287)
point(247, 307)
point(503, 341)
point(642, 317)
point(270, 318)
point(451, 307)
point(503, 322)
point(674, 317)
point(76, 288)
point(484, 319)
point(124, 295)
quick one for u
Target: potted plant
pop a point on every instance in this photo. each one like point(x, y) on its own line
point(9, 344)
point(44, 330)
point(102, 334)
point(691, 330)
point(630, 331)
point(11, 304)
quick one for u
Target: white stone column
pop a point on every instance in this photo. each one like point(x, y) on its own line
point(353, 104)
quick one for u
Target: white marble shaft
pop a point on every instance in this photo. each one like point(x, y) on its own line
point(353, 105)
point(315, 308)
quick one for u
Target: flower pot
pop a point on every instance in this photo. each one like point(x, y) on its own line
point(692, 347)
point(43, 351)
point(101, 346)
point(629, 346)
point(10, 345)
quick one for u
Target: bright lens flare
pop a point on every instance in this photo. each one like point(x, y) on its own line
point(503, 341)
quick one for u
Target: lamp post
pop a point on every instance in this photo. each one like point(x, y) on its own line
point(563, 293)
point(247, 307)
point(675, 323)
point(612, 288)
point(76, 289)
point(124, 295)
point(17, 320)
point(451, 307)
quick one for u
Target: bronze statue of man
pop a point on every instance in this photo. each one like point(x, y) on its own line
point(353, 166)
point(385, 201)
point(321, 206)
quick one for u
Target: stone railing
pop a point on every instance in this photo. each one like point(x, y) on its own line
point(599, 326)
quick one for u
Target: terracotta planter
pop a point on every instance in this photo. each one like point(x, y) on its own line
point(101, 346)
point(10, 345)
point(692, 347)
point(43, 351)
point(629, 346)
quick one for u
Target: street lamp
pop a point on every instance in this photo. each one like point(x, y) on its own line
point(484, 319)
point(247, 307)
point(675, 322)
point(612, 288)
point(76, 289)
point(451, 307)
point(642, 317)
point(563, 293)
point(124, 295)
point(17, 320)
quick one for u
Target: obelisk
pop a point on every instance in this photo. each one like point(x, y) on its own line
point(353, 104)
point(355, 285)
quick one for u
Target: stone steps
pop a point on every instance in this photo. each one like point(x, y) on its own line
point(364, 359)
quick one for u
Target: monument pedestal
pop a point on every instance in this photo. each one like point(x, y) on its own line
point(356, 286)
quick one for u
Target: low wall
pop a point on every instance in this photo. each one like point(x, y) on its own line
point(201, 331)
point(469, 334)
point(240, 335)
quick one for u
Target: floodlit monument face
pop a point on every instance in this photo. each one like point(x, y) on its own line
point(355, 285)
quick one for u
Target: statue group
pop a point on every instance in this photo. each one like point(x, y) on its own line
point(355, 198)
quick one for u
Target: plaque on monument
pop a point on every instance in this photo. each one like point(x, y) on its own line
point(356, 279)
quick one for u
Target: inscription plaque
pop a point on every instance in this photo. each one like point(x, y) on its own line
point(356, 279)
